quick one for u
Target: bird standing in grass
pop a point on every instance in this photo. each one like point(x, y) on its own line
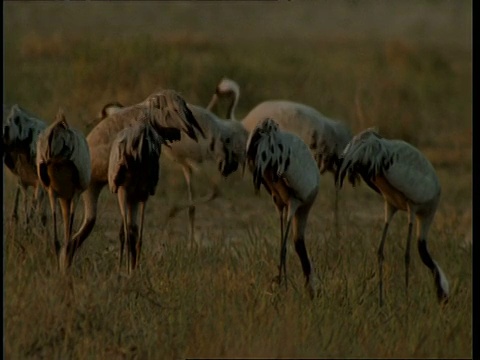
point(133, 173)
point(325, 137)
point(224, 143)
point(20, 134)
point(168, 114)
point(407, 181)
point(64, 170)
point(282, 162)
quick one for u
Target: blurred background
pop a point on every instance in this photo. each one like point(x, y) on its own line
point(404, 66)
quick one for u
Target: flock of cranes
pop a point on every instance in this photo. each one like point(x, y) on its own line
point(287, 146)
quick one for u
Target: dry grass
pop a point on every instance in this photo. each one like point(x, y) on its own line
point(218, 301)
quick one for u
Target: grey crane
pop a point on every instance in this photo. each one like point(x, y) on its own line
point(135, 150)
point(64, 170)
point(282, 162)
point(224, 143)
point(165, 110)
point(407, 181)
point(20, 134)
point(325, 137)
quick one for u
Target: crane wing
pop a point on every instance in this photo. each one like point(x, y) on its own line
point(366, 156)
point(61, 142)
point(412, 174)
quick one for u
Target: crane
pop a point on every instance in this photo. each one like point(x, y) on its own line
point(64, 170)
point(224, 144)
point(325, 137)
point(20, 134)
point(407, 181)
point(168, 114)
point(282, 162)
point(135, 150)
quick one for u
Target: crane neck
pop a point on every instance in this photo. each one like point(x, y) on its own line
point(233, 105)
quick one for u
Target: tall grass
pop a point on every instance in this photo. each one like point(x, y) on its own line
point(218, 300)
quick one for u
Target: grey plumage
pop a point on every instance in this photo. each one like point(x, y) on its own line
point(325, 137)
point(166, 111)
point(282, 162)
point(64, 170)
point(224, 144)
point(20, 134)
point(407, 181)
point(133, 174)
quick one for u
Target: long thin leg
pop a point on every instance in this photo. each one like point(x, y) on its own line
point(187, 172)
point(282, 215)
point(441, 282)
point(292, 208)
point(56, 244)
point(407, 254)
point(299, 225)
point(14, 215)
point(26, 210)
point(40, 203)
point(140, 236)
point(389, 212)
point(65, 205)
point(335, 215)
point(121, 196)
point(90, 201)
point(132, 234)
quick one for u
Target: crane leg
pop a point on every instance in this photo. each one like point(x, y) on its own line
point(292, 208)
point(407, 256)
point(14, 215)
point(299, 225)
point(389, 212)
point(90, 201)
point(439, 278)
point(187, 172)
point(56, 243)
point(380, 258)
point(140, 235)
point(121, 196)
point(66, 205)
point(132, 235)
point(335, 215)
point(282, 215)
point(40, 204)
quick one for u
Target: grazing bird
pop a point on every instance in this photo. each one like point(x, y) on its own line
point(133, 173)
point(20, 134)
point(64, 170)
point(224, 143)
point(282, 162)
point(168, 114)
point(325, 137)
point(407, 181)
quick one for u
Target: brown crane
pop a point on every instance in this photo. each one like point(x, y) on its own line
point(64, 170)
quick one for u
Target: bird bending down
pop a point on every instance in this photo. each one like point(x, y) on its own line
point(224, 144)
point(64, 170)
point(167, 113)
point(20, 134)
point(325, 137)
point(282, 162)
point(133, 173)
point(407, 181)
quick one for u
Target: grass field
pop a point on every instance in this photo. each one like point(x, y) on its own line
point(406, 69)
